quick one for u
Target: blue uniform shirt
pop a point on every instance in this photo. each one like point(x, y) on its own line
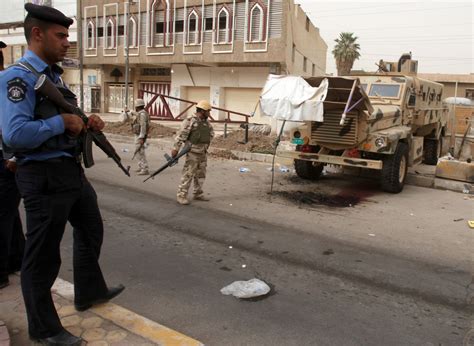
point(18, 99)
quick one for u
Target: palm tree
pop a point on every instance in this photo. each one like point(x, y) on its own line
point(346, 51)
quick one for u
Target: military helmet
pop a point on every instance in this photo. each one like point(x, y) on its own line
point(139, 103)
point(205, 105)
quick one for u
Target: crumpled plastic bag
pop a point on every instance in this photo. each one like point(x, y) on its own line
point(246, 289)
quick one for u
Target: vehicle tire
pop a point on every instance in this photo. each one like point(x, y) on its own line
point(308, 169)
point(394, 170)
point(431, 151)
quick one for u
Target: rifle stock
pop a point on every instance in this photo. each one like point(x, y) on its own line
point(45, 87)
point(170, 162)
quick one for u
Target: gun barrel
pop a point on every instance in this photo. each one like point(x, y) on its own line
point(170, 163)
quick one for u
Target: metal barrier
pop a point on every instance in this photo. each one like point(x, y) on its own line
point(180, 117)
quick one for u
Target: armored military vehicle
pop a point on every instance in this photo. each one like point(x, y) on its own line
point(386, 120)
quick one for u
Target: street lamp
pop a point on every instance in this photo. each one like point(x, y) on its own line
point(127, 43)
point(80, 47)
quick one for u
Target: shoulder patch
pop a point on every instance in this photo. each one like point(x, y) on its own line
point(16, 89)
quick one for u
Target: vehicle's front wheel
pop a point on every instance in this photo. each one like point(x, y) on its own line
point(394, 170)
point(308, 169)
point(431, 151)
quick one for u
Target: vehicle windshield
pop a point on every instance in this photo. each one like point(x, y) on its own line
point(385, 90)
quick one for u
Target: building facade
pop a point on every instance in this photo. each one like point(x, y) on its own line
point(12, 15)
point(197, 49)
point(463, 84)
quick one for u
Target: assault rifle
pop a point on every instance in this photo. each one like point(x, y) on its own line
point(46, 88)
point(171, 161)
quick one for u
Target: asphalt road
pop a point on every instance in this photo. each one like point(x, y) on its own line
point(174, 260)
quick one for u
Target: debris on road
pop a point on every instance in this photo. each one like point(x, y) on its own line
point(471, 223)
point(244, 170)
point(223, 154)
point(246, 289)
point(156, 130)
point(456, 220)
point(371, 235)
point(284, 169)
point(257, 143)
point(244, 266)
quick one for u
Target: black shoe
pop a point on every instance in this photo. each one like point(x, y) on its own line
point(4, 282)
point(111, 293)
point(64, 338)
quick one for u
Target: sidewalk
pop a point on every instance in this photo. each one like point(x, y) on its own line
point(105, 324)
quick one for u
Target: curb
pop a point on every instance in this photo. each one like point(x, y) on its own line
point(413, 178)
point(129, 320)
point(4, 335)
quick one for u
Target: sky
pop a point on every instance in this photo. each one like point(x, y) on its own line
point(440, 34)
point(13, 10)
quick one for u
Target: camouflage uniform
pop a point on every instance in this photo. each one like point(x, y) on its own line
point(199, 134)
point(140, 126)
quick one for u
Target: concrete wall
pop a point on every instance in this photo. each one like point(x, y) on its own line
point(303, 40)
point(450, 88)
point(465, 81)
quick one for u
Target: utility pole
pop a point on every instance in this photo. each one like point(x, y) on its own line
point(127, 10)
point(81, 57)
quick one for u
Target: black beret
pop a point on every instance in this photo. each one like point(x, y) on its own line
point(48, 14)
point(2, 44)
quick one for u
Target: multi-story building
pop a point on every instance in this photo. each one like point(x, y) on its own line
point(12, 15)
point(463, 84)
point(221, 50)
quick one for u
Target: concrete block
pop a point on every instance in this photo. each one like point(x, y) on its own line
point(456, 170)
point(453, 185)
point(420, 180)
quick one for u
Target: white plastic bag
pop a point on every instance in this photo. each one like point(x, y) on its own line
point(246, 289)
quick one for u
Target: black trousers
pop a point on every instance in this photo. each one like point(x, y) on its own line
point(12, 241)
point(54, 192)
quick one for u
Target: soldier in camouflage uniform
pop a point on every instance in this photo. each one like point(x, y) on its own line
point(197, 131)
point(140, 126)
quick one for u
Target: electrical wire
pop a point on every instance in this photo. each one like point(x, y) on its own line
point(401, 11)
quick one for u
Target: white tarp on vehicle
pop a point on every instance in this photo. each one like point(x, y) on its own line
point(292, 98)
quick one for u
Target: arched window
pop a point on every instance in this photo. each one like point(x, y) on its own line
point(224, 25)
point(132, 32)
point(160, 23)
point(193, 27)
point(110, 34)
point(257, 26)
point(90, 35)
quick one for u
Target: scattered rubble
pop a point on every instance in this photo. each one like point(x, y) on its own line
point(257, 143)
point(156, 130)
point(223, 154)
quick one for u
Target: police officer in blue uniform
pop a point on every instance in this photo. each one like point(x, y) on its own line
point(50, 178)
point(12, 241)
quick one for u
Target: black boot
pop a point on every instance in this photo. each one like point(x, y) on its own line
point(63, 338)
point(111, 293)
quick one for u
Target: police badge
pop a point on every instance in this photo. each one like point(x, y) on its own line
point(16, 90)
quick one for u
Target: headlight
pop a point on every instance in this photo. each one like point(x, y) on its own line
point(380, 142)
